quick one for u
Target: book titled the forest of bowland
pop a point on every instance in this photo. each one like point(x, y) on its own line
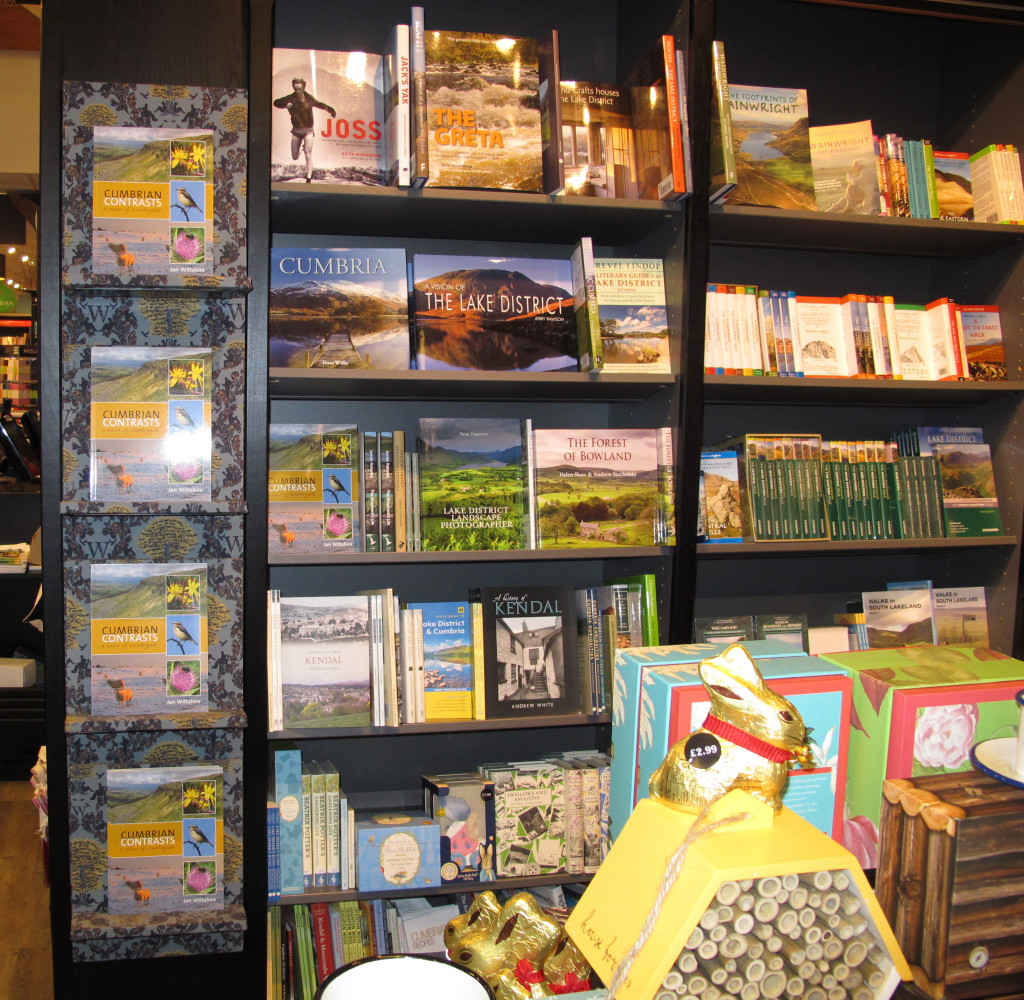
point(845, 176)
point(770, 143)
point(595, 487)
point(338, 308)
point(327, 119)
point(482, 113)
point(493, 313)
point(314, 489)
point(150, 423)
point(325, 667)
point(530, 662)
point(633, 315)
point(473, 484)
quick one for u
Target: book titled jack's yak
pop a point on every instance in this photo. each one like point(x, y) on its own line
point(530, 664)
point(149, 652)
point(494, 313)
point(165, 839)
point(313, 489)
point(149, 423)
point(338, 308)
point(152, 201)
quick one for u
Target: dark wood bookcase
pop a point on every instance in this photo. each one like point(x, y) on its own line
point(948, 70)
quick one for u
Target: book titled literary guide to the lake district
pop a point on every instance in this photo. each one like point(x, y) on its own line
point(150, 423)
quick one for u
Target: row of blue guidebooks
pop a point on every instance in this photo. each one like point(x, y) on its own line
point(470, 484)
point(369, 659)
point(342, 309)
point(461, 109)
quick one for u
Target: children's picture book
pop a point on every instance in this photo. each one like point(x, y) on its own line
point(953, 185)
point(723, 504)
point(152, 201)
point(843, 162)
point(473, 484)
point(149, 650)
point(483, 119)
point(596, 487)
point(314, 488)
point(969, 499)
point(327, 119)
point(898, 617)
point(165, 839)
point(338, 308)
point(597, 140)
point(530, 664)
point(448, 659)
point(981, 331)
point(493, 313)
point(770, 144)
point(325, 661)
point(150, 414)
point(961, 616)
point(633, 315)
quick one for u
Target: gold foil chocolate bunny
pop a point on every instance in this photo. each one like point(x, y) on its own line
point(748, 740)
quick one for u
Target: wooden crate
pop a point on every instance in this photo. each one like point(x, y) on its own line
point(950, 881)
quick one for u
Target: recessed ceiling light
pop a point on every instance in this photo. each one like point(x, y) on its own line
point(12, 249)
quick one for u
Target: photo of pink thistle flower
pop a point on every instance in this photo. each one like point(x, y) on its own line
point(186, 247)
point(199, 880)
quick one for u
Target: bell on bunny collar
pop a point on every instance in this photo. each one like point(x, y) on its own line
point(780, 889)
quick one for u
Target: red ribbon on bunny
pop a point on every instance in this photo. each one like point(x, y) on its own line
point(746, 740)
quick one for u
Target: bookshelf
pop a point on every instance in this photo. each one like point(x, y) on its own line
point(104, 40)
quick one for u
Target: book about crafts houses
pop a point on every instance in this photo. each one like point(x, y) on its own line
point(325, 666)
point(530, 662)
point(314, 489)
point(596, 488)
point(148, 635)
point(770, 143)
point(493, 313)
point(482, 116)
point(597, 140)
point(165, 839)
point(152, 201)
point(473, 484)
point(150, 418)
point(338, 308)
point(327, 117)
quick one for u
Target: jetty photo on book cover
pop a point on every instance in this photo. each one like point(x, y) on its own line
point(150, 418)
point(530, 664)
point(494, 313)
point(313, 489)
point(338, 308)
point(596, 487)
point(149, 652)
point(327, 117)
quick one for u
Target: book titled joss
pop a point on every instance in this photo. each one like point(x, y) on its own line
point(313, 489)
point(148, 634)
point(152, 201)
point(150, 418)
point(165, 839)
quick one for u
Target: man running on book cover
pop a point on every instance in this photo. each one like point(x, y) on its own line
point(300, 106)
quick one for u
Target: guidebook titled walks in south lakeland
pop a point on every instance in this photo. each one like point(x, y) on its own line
point(152, 201)
point(314, 489)
point(165, 839)
point(148, 638)
point(149, 423)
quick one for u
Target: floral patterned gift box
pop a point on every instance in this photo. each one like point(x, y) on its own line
point(918, 710)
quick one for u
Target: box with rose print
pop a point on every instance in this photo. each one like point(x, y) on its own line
point(918, 710)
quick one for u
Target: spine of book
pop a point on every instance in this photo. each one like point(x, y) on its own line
point(573, 784)
point(408, 667)
point(755, 498)
point(684, 118)
point(678, 188)
point(476, 619)
point(386, 455)
point(794, 334)
point(401, 489)
point(318, 793)
point(723, 166)
point(883, 178)
point(712, 332)
point(398, 119)
point(530, 484)
point(420, 166)
point(931, 184)
point(849, 490)
point(371, 492)
point(410, 490)
point(307, 826)
point(588, 320)
point(879, 514)
point(840, 528)
point(273, 851)
point(550, 97)
point(666, 487)
point(416, 500)
point(321, 925)
point(333, 820)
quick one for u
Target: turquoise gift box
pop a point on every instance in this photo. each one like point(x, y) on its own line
point(659, 699)
point(397, 850)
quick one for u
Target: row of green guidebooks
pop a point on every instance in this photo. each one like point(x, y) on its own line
point(369, 659)
point(470, 484)
point(767, 152)
point(465, 109)
point(927, 482)
point(371, 308)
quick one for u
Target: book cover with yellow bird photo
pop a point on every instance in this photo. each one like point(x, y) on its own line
point(150, 417)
